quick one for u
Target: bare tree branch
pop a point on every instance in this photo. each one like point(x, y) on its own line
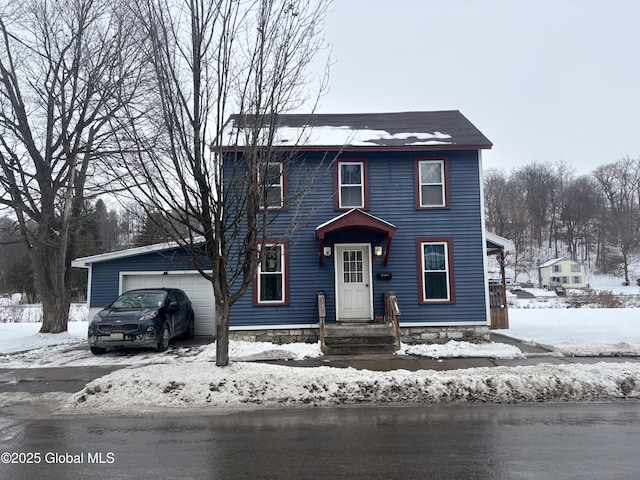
point(67, 70)
point(209, 59)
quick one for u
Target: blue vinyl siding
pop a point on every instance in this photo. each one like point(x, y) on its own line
point(105, 276)
point(391, 198)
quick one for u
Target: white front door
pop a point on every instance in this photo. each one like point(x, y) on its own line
point(353, 282)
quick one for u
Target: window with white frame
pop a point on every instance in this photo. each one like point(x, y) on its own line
point(271, 275)
point(431, 188)
point(557, 268)
point(577, 279)
point(351, 185)
point(434, 271)
point(575, 267)
point(271, 182)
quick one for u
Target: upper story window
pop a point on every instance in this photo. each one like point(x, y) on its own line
point(270, 284)
point(557, 268)
point(271, 182)
point(351, 185)
point(435, 271)
point(575, 267)
point(431, 183)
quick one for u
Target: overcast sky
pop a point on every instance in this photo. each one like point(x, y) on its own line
point(543, 80)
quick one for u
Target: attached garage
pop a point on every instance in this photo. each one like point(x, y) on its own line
point(197, 288)
point(160, 265)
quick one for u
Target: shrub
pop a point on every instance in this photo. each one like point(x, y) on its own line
point(597, 299)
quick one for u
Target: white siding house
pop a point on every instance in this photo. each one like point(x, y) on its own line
point(562, 272)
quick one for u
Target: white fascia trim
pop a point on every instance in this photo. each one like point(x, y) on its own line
point(505, 243)
point(486, 236)
point(84, 262)
point(335, 219)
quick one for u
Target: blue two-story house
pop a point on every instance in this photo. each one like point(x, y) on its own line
point(395, 208)
point(399, 210)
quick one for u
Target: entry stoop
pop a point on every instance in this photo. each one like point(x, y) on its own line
point(360, 338)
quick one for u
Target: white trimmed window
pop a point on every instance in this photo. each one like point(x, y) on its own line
point(431, 183)
point(351, 185)
point(557, 268)
point(577, 279)
point(435, 278)
point(575, 267)
point(271, 275)
point(272, 185)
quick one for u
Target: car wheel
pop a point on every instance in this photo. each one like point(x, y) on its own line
point(98, 350)
point(163, 344)
point(191, 329)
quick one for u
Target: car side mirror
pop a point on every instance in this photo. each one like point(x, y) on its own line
point(173, 304)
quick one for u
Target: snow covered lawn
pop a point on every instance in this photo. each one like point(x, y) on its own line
point(579, 332)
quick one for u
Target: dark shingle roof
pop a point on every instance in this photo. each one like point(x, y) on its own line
point(398, 129)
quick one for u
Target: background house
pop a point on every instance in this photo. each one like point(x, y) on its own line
point(562, 272)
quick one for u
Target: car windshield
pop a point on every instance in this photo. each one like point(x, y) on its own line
point(140, 300)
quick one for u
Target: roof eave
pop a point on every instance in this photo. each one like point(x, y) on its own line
point(358, 148)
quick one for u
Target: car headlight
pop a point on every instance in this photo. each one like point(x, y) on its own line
point(149, 315)
point(96, 317)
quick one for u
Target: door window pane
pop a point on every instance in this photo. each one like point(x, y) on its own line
point(352, 266)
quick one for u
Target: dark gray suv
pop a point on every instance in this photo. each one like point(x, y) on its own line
point(148, 317)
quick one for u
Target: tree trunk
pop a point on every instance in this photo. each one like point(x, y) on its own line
point(222, 332)
point(53, 284)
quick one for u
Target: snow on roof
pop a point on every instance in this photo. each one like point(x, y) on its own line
point(548, 263)
point(399, 129)
point(84, 262)
point(506, 244)
point(350, 212)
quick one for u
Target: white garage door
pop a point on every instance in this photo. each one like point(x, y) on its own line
point(197, 288)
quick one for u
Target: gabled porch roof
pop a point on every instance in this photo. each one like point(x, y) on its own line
point(355, 219)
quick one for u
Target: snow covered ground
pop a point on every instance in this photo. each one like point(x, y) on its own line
point(188, 377)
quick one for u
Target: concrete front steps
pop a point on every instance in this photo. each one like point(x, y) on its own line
point(359, 338)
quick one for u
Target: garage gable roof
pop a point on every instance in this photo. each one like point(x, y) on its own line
point(85, 262)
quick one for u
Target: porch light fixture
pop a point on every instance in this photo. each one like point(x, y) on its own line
point(326, 251)
point(378, 250)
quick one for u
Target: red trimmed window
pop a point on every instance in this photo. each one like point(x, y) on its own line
point(435, 270)
point(431, 178)
point(351, 185)
point(271, 179)
point(270, 285)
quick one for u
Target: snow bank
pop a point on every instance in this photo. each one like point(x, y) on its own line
point(203, 384)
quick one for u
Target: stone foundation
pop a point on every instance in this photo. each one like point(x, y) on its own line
point(418, 335)
point(410, 335)
point(279, 337)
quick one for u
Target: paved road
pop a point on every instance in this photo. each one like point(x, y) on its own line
point(543, 441)
point(51, 379)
